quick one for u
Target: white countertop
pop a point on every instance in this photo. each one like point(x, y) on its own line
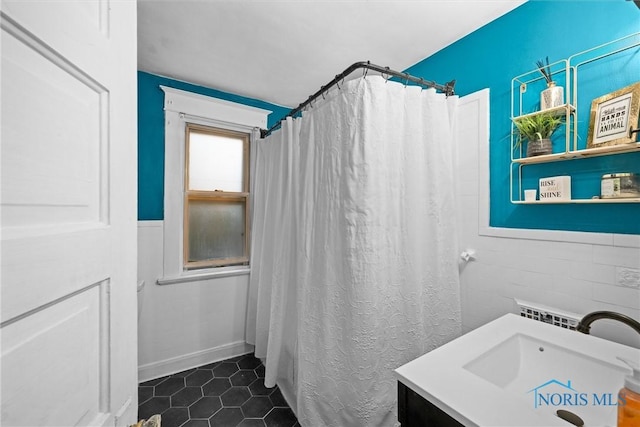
point(444, 378)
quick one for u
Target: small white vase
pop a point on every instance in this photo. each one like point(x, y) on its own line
point(552, 96)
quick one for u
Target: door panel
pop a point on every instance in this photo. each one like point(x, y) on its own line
point(68, 330)
point(68, 213)
point(68, 108)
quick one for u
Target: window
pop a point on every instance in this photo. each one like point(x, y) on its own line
point(216, 197)
point(194, 125)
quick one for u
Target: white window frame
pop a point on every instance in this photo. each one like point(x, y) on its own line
point(182, 107)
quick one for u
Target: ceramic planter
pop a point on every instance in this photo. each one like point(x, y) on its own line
point(538, 147)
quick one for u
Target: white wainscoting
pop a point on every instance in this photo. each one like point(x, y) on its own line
point(187, 324)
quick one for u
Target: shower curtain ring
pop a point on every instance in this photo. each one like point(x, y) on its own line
point(386, 75)
point(406, 82)
point(322, 91)
point(338, 81)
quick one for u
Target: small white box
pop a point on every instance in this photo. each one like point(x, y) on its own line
point(555, 189)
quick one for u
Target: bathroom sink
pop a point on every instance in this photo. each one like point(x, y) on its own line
point(518, 372)
point(522, 361)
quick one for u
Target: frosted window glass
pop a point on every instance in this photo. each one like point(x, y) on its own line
point(215, 162)
point(216, 230)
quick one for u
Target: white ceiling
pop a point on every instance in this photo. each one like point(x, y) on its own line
point(282, 51)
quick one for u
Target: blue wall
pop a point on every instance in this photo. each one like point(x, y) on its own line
point(509, 46)
point(151, 136)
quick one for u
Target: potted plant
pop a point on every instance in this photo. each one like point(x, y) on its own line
point(537, 129)
point(552, 96)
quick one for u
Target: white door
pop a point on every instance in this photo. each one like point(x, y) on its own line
point(68, 212)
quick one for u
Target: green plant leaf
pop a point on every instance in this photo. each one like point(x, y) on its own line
point(536, 126)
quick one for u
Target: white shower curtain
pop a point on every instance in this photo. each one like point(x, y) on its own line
point(354, 263)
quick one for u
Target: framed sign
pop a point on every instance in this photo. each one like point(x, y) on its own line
point(613, 116)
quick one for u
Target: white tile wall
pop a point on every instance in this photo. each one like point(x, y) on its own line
point(550, 268)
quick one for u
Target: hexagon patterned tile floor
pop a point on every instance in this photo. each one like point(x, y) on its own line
point(230, 393)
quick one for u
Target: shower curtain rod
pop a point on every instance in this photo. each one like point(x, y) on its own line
point(447, 88)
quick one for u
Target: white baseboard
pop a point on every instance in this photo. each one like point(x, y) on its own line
point(170, 366)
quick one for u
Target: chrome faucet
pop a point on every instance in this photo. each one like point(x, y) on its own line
point(585, 324)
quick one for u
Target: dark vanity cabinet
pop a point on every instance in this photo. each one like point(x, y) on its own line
point(416, 411)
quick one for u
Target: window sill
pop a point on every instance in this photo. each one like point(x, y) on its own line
point(204, 275)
